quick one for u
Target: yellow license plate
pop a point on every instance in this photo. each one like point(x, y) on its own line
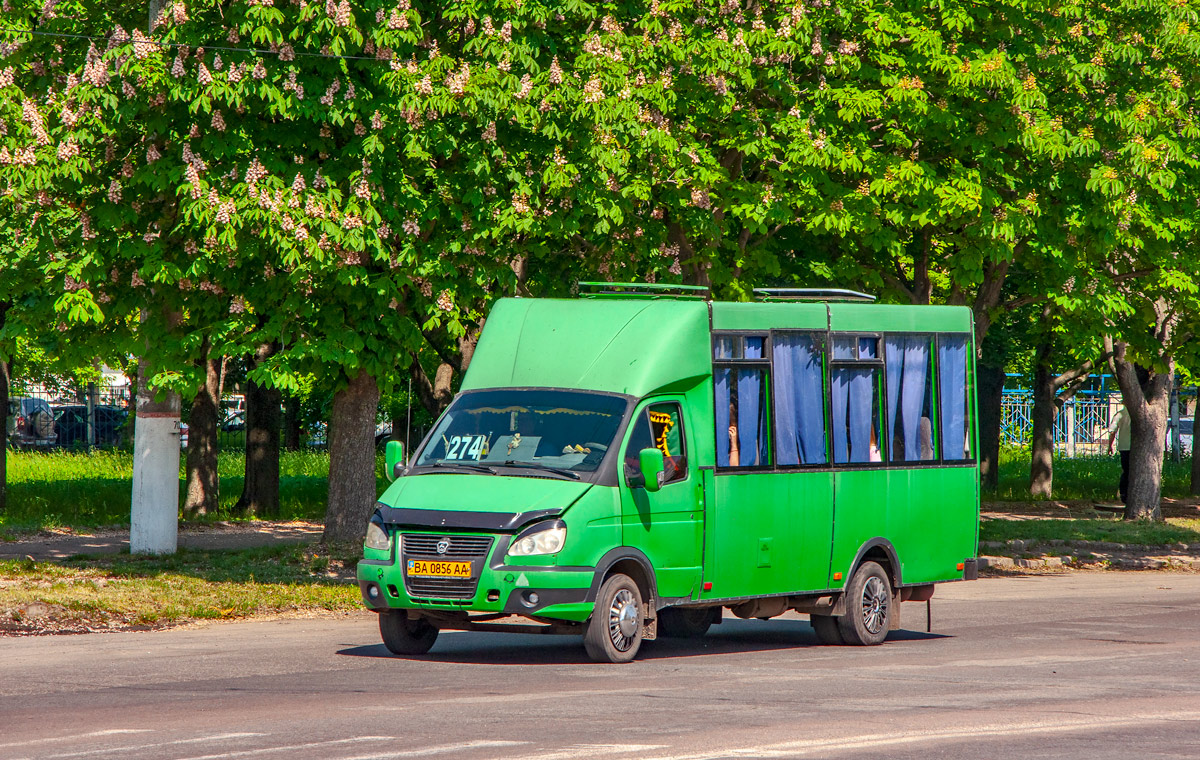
point(439, 569)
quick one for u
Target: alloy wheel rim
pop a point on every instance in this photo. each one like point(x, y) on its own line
point(622, 620)
point(874, 605)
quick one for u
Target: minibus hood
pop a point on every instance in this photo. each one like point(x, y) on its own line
point(476, 502)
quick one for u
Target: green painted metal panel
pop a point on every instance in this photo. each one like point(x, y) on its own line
point(729, 315)
point(892, 318)
point(929, 515)
point(768, 533)
point(633, 346)
point(667, 526)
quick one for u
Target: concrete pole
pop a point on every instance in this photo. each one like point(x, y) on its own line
point(154, 511)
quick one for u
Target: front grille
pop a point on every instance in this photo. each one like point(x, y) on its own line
point(424, 546)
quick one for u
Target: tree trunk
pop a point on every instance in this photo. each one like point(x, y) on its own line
point(4, 382)
point(291, 423)
point(1041, 460)
point(260, 490)
point(203, 485)
point(1146, 394)
point(991, 398)
point(352, 483)
point(1195, 489)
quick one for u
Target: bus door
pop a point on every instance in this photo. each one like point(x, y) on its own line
point(667, 525)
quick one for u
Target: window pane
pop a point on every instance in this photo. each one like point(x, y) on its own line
point(844, 348)
point(723, 346)
point(667, 431)
point(639, 439)
point(855, 399)
point(754, 347)
point(741, 417)
point(952, 391)
point(910, 398)
point(799, 399)
point(868, 348)
point(558, 428)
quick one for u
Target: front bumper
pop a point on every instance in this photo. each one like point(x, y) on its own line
point(542, 591)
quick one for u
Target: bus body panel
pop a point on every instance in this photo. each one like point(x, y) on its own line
point(769, 533)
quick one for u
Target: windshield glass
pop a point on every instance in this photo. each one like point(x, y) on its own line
point(569, 430)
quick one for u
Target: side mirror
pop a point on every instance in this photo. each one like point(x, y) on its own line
point(653, 468)
point(393, 459)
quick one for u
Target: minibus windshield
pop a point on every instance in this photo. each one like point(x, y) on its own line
point(547, 430)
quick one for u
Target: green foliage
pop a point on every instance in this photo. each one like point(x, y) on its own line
point(353, 182)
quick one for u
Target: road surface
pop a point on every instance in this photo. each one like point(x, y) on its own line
point(1079, 665)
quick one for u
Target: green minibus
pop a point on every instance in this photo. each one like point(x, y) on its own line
point(628, 464)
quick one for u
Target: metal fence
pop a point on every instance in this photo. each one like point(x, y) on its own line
point(1081, 424)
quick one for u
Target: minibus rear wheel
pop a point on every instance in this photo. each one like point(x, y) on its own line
point(614, 632)
point(404, 636)
point(868, 606)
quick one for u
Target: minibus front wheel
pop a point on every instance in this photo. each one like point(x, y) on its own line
point(614, 632)
point(402, 635)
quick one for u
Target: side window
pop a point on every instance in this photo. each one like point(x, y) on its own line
point(798, 376)
point(855, 383)
point(659, 426)
point(910, 398)
point(952, 393)
point(740, 396)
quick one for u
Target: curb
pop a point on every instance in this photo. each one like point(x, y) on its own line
point(1090, 561)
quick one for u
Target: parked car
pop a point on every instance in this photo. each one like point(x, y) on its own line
point(30, 423)
point(234, 423)
point(71, 421)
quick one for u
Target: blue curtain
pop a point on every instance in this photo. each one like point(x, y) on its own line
point(853, 414)
point(952, 387)
point(907, 378)
point(721, 379)
point(799, 394)
point(752, 444)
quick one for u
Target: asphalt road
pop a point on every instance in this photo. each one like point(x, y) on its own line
point(1082, 665)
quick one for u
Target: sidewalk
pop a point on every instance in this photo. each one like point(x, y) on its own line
point(57, 546)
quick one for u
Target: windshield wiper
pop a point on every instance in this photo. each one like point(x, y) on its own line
point(464, 465)
point(540, 466)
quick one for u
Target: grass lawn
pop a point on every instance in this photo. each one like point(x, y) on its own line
point(1174, 531)
point(1093, 478)
point(123, 592)
point(50, 490)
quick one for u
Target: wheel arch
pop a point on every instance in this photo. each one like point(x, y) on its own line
point(882, 551)
point(631, 562)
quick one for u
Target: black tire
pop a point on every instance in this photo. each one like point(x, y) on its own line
point(404, 636)
point(827, 630)
point(614, 632)
point(685, 622)
point(869, 606)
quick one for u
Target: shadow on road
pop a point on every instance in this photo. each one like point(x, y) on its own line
point(731, 637)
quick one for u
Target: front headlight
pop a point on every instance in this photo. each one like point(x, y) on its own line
point(377, 536)
point(546, 539)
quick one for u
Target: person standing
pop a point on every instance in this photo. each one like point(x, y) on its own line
point(1118, 433)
